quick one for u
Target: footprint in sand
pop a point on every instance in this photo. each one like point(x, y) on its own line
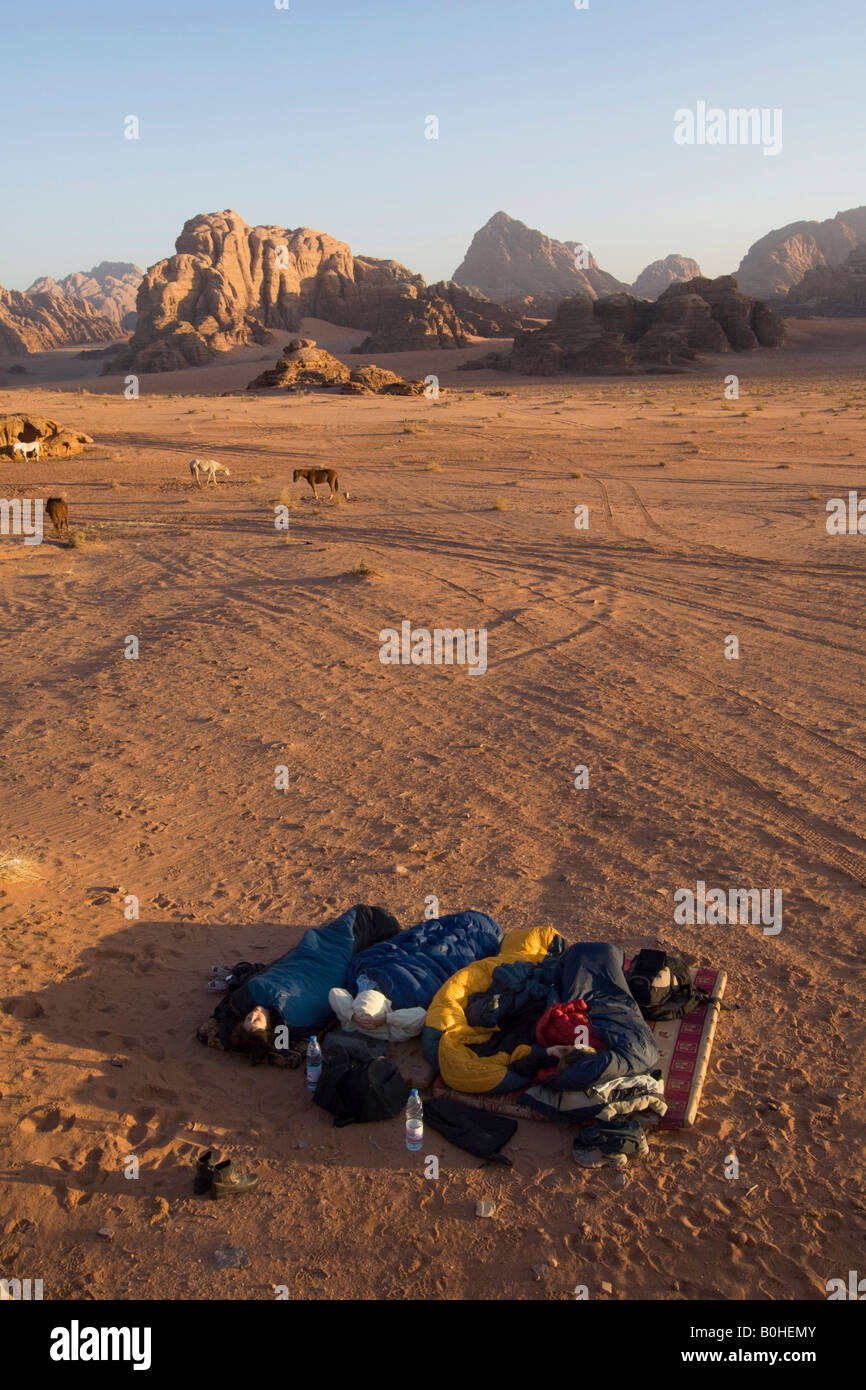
point(46, 1121)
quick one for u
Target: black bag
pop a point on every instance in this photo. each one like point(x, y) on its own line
point(662, 986)
point(476, 1131)
point(359, 1082)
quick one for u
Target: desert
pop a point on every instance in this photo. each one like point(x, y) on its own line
point(433, 567)
point(259, 647)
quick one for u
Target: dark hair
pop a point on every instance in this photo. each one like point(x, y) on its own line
point(258, 1043)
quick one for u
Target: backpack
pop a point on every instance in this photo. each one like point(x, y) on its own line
point(359, 1082)
point(662, 986)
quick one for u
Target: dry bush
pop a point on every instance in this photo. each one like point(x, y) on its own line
point(286, 499)
point(15, 868)
point(365, 570)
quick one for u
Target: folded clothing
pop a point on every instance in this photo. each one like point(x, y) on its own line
point(623, 1095)
point(626, 1094)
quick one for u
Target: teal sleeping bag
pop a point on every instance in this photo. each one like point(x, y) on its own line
point(298, 983)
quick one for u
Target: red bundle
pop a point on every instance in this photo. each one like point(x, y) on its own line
point(558, 1027)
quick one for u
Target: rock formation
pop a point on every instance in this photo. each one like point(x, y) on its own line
point(520, 267)
point(779, 260)
point(110, 288)
point(622, 334)
point(830, 293)
point(230, 284)
point(55, 441)
point(378, 381)
point(39, 322)
point(303, 364)
point(655, 278)
point(442, 317)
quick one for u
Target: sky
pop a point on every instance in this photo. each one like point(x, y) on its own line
point(315, 115)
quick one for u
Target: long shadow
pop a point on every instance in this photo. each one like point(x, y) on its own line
point(134, 1002)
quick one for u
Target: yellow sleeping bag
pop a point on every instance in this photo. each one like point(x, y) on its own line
point(449, 1039)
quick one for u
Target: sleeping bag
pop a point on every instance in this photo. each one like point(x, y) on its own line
point(410, 967)
point(481, 1030)
point(296, 985)
point(593, 972)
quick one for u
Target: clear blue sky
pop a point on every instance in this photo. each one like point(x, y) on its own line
point(315, 116)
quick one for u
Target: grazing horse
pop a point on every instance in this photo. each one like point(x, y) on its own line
point(207, 467)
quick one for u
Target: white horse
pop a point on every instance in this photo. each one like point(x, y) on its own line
point(209, 468)
point(26, 449)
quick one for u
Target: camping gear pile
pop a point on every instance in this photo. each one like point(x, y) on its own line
point(521, 1022)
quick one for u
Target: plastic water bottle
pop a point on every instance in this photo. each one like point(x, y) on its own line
point(414, 1122)
point(314, 1064)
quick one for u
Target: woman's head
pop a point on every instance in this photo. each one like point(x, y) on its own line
point(254, 1035)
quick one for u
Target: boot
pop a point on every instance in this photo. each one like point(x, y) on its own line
point(229, 1182)
point(204, 1170)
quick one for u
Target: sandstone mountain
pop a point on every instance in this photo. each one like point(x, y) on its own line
point(303, 364)
point(520, 267)
point(39, 322)
point(779, 260)
point(110, 288)
point(655, 278)
point(230, 284)
point(622, 334)
point(830, 292)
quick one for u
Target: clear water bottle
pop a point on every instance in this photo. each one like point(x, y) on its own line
point(414, 1123)
point(314, 1064)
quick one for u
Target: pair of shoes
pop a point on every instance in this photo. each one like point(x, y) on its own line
point(221, 1179)
point(222, 976)
point(609, 1143)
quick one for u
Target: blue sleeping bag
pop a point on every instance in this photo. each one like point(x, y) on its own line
point(410, 968)
point(297, 985)
point(594, 971)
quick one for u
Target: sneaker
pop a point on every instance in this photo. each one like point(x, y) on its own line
point(229, 1182)
point(597, 1158)
point(611, 1142)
